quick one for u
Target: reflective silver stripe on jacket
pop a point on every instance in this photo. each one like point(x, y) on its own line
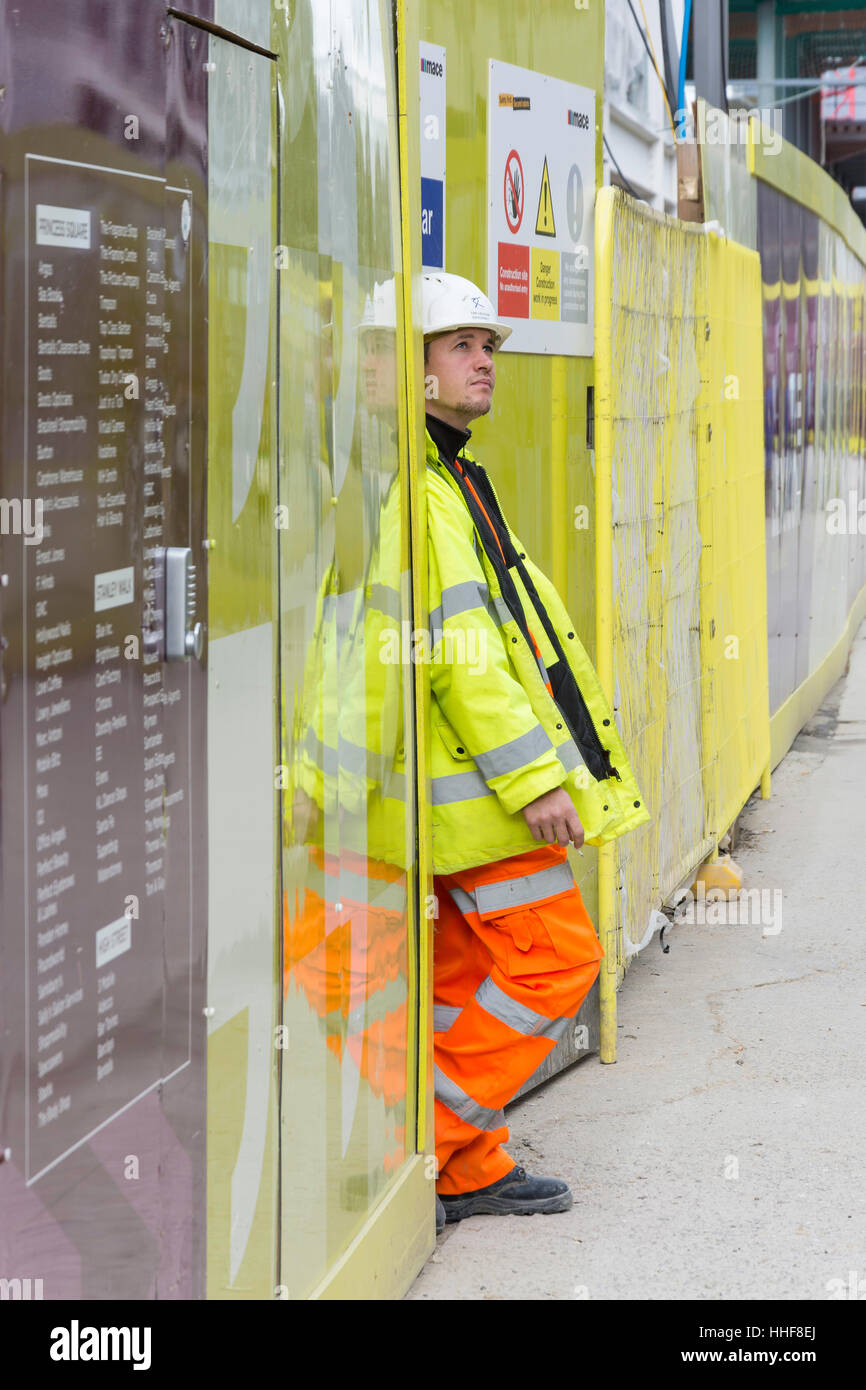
point(503, 612)
point(323, 756)
point(515, 892)
point(443, 1017)
point(386, 599)
point(395, 787)
point(348, 757)
point(341, 606)
point(517, 753)
point(467, 1109)
point(569, 755)
point(352, 757)
point(542, 668)
point(459, 786)
point(456, 599)
point(495, 1001)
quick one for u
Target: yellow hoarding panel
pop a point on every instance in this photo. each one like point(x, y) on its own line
point(534, 442)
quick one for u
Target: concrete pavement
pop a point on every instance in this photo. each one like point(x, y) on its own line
point(722, 1155)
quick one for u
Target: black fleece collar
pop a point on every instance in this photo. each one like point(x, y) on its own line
point(449, 440)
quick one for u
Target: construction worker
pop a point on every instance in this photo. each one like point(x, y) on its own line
point(525, 759)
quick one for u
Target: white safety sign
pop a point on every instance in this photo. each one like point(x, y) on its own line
point(540, 201)
point(432, 82)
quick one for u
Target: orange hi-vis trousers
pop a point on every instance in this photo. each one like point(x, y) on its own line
point(515, 955)
point(345, 947)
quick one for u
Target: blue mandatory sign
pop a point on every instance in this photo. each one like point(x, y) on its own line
point(432, 224)
point(574, 203)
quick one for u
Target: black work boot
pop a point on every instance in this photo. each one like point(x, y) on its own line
point(517, 1194)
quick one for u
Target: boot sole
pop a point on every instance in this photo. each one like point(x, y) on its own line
point(501, 1206)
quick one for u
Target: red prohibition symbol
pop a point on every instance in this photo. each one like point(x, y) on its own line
point(514, 191)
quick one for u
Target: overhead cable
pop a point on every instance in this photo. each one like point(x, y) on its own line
point(634, 193)
point(652, 54)
point(681, 86)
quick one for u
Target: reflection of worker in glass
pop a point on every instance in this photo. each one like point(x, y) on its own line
point(525, 758)
point(345, 935)
point(378, 348)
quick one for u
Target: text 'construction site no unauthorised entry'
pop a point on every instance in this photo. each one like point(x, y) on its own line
point(540, 207)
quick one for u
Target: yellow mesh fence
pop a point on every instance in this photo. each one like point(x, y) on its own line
point(731, 519)
point(679, 445)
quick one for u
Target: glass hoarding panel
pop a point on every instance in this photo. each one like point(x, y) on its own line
point(348, 1075)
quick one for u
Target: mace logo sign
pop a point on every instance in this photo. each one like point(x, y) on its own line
point(432, 156)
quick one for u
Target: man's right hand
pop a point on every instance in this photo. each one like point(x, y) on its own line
point(552, 818)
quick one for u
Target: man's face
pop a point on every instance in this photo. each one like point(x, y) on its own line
point(379, 368)
point(460, 375)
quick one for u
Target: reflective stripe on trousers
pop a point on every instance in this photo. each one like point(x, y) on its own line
point(515, 954)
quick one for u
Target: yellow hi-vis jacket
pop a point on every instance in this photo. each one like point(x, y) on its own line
point(347, 736)
point(499, 739)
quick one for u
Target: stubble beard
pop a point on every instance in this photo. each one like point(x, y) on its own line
point(471, 409)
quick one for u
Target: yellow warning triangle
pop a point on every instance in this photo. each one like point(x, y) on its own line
point(544, 223)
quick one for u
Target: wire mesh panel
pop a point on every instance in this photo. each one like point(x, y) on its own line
point(731, 518)
point(679, 384)
point(650, 384)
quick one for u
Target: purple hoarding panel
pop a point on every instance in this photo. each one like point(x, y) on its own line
point(102, 741)
point(814, 436)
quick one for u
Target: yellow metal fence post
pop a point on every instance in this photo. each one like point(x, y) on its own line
point(604, 596)
point(558, 479)
point(410, 222)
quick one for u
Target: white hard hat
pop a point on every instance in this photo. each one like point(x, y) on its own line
point(380, 308)
point(449, 302)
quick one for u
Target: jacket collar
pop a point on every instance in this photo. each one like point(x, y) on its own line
point(434, 461)
point(449, 440)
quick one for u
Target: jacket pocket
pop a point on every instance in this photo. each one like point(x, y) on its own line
point(530, 947)
point(554, 936)
point(450, 740)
